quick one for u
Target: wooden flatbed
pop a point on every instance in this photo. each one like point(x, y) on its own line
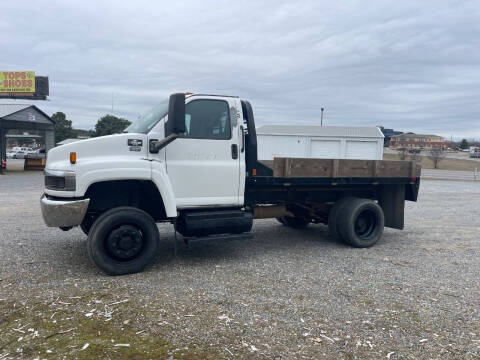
point(341, 168)
point(325, 181)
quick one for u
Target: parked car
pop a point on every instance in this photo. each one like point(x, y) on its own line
point(19, 152)
point(475, 153)
point(18, 155)
point(15, 154)
point(35, 154)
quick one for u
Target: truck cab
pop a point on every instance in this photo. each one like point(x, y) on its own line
point(203, 167)
point(191, 161)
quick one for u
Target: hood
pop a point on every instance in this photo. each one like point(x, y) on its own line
point(103, 148)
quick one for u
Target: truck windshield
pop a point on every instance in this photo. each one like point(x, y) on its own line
point(146, 122)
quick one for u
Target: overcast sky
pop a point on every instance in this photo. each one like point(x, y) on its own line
point(410, 65)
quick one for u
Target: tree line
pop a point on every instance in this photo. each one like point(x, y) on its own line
point(106, 125)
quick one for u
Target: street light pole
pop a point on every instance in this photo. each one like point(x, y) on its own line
point(321, 118)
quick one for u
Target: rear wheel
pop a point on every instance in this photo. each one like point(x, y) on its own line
point(333, 216)
point(123, 240)
point(361, 223)
point(297, 222)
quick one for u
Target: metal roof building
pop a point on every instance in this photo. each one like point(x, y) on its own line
point(323, 142)
point(24, 117)
point(350, 131)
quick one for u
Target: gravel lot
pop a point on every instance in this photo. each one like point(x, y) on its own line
point(284, 294)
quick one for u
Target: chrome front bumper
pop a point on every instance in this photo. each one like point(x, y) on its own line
point(60, 213)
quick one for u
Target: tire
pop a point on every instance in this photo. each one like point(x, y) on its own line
point(294, 222)
point(123, 240)
point(361, 223)
point(87, 223)
point(333, 216)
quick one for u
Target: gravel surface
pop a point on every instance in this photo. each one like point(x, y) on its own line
point(286, 293)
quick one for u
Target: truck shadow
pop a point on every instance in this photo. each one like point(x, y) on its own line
point(268, 237)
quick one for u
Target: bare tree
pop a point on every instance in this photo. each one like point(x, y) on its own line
point(437, 154)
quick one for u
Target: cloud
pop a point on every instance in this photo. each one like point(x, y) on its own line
point(53, 48)
point(407, 65)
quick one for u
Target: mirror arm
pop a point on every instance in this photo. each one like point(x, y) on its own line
point(156, 146)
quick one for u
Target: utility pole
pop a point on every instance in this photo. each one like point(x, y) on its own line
point(321, 118)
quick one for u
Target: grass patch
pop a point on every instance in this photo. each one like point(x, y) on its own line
point(111, 326)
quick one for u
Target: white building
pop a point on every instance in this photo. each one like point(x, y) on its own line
point(322, 142)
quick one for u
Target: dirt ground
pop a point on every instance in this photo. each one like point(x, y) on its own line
point(285, 294)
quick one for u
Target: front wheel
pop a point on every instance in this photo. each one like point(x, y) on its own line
point(123, 240)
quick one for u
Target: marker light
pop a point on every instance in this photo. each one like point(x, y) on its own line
point(73, 157)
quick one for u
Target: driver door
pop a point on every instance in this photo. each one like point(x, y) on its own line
point(203, 164)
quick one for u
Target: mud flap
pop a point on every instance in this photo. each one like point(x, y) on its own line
point(392, 201)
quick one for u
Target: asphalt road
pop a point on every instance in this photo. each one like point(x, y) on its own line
point(450, 175)
point(449, 155)
point(284, 294)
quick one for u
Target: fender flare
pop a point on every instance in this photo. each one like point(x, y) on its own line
point(164, 186)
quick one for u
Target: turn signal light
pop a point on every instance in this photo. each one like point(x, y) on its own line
point(254, 172)
point(73, 157)
point(188, 93)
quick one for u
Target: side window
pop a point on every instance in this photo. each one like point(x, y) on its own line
point(207, 119)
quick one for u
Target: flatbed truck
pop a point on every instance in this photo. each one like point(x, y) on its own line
point(192, 161)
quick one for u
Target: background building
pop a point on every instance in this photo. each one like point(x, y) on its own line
point(417, 141)
point(388, 133)
point(17, 117)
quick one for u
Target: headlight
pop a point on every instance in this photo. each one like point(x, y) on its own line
point(60, 180)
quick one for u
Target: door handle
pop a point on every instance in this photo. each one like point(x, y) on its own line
point(234, 151)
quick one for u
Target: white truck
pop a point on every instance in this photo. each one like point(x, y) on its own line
point(192, 161)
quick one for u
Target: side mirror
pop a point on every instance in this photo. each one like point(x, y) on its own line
point(176, 115)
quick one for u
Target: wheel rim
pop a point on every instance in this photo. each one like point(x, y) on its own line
point(125, 242)
point(365, 224)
